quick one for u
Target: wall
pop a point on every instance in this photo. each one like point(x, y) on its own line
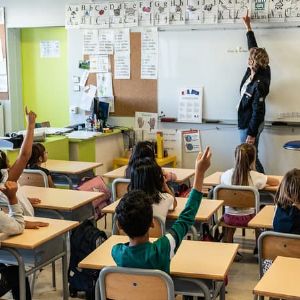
point(45, 80)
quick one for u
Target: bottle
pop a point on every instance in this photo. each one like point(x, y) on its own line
point(160, 144)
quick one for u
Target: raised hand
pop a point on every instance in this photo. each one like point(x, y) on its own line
point(30, 117)
point(247, 21)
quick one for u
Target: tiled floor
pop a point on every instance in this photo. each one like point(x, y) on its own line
point(242, 277)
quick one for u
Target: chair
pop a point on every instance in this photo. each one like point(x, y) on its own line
point(128, 283)
point(157, 231)
point(272, 244)
point(236, 196)
point(119, 188)
point(33, 178)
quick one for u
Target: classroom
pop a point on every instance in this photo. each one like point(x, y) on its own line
point(84, 84)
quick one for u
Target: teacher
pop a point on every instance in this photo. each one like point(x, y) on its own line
point(254, 89)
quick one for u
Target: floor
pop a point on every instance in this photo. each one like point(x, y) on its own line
point(243, 275)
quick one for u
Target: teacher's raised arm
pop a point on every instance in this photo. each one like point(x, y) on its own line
point(254, 88)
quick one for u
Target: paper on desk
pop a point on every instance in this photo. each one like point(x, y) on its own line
point(82, 135)
point(87, 97)
point(104, 85)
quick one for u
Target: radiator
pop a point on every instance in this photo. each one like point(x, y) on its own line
point(1, 120)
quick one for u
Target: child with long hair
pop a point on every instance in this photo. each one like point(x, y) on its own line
point(146, 175)
point(39, 155)
point(146, 149)
point(244, 174)
point(287, 213)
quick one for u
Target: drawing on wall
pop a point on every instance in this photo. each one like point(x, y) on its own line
point(146, 120)
point(259, 10)
point(293, 12)
point(130, 14)
point(73, 16)
point(278, 10)
point(145, 13)
point(240, 9)
point(210, 11)
point(116, 14)
point(177, 12)
point(226, 11)
point(194, 12)
point(161, 13)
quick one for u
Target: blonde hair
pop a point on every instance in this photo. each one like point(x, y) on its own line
point(288, 192)
point(245, 155)
point(259, 57)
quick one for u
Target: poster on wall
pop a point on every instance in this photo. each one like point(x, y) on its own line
point(131, 13)
point(191, 139)
point(194, 12)
point(49, 49)
point(240, 9)
point(161, 12)
point(106, 42)
point(145, 121)
point(95, 15)
point(116, 14)
point(177, 12)
point(293, 12)
point(73, 16)
point(226, 11)
point(259, 10)
point(190, 105)
point(210, 11)
point(278, 10)
point(145, 13)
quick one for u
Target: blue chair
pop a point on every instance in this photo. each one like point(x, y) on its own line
point(292, 145)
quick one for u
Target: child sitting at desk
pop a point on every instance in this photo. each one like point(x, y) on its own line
point(287, 200)
point(145, 149)
point(39, 155)
point(146, 175)
point(134, 214)
point(11, 224)
point(243, 173)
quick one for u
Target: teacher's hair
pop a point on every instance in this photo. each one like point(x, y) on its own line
point(245, 155)
point(288, 192)
point(259, 57)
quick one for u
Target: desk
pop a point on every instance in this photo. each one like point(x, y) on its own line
point(38, 248)
point(71, 205)
point(264, 218)
point(73, 171)
point(181, 174)
point(194, 259)
point(122, 161)
point(215, 179)
point(281, 280)
point(206, 210)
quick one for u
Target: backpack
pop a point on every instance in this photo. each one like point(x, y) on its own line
point(84, 239)
point(96, 184)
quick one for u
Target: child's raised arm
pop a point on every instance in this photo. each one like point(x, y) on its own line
point(25, 152)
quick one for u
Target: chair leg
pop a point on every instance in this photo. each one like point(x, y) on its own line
point(53, 276)
point(243, 232)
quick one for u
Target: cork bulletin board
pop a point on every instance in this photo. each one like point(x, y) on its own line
point(3, 95)
point(134, 94)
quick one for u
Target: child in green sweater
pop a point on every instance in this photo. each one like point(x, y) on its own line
point(135, 216)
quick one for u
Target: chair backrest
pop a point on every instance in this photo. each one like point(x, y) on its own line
point(33, 178)
point(237, 196)
point(157, 231)
point(272, 244)
point(128, 283)
point(119, 188)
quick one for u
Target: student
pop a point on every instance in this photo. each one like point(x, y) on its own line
point(243, 173)
point(134, 214)
point(13, 173)
point(287, 213)
point(146, 175)
point(39, 155)
point(145, 149)
point(12, 223)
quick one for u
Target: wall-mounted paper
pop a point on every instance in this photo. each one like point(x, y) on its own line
point(99, 64)
point(49, 49)
point(84, 78)
point(122, 40)
point(146, 13)
point(190, 105)
point(87, 97)
point(3, 70)
point(106, 42)
point(122, 66)
point(73, 16)
point(104, 85)
point(95, 15)
point(130, 13)
point(191, 139)
point(177, 12)
point(90, 42)
point(194, 13)
point(116, 14)
point(3, 84)
point(2, 15)
point(1, 52)
point(161, 12)
point(146, 120)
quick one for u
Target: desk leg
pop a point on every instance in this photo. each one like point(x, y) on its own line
point(65, 271)
point(222, 292)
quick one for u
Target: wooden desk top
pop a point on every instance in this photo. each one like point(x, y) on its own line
point(182, 174)
point(215, 179)
point(206, 210)
point(194, 259)
point(264, 218)
point(281, 280)
point(32, 238)
point(69, 167)
point(59, 199)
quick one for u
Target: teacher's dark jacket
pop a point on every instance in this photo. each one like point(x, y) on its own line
point(251, 111)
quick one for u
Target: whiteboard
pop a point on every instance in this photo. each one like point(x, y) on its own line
point(202, 58)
